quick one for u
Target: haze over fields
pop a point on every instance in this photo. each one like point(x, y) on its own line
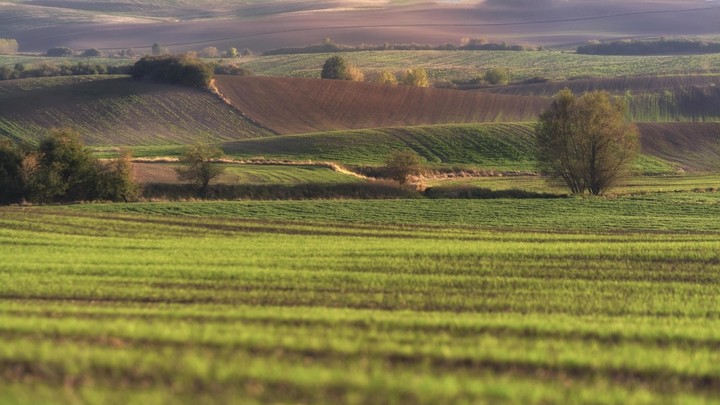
point(262, 25)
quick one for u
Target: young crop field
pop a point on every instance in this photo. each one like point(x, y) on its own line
point(664, 182)
point(666, 147)
point(441, 65)
point(415, 301)
point(247, 174)
point(506, 146)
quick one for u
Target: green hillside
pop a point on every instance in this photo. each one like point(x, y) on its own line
point(504, 146)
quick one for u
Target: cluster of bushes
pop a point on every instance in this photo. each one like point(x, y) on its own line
point(21, 71)
point(173, 69)
point(473, 44)
point(234, 70)
point(649, 47)
point(61, 169)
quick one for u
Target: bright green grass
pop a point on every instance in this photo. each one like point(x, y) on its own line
point(676, 212)
point(468, 64)
point(635, 184)
point(282, 174)
point(612, 301)
point(503, 146)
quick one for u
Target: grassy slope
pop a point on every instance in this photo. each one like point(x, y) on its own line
point(118, 111)
point(174, 305)
point(247, 174)
point(692, 146)
point(492, 145)
point(290, 106)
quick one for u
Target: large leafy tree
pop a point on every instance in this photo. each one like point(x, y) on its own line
point(585, 141)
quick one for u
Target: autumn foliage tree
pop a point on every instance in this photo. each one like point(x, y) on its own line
point(585, 141)
point(417, 77)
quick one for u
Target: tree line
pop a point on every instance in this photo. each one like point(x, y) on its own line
point(660, 46)
point(469, 44)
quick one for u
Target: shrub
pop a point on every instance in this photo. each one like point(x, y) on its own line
point(388, 77)
point(354, 74)
point(234, 70)
point(59, 52)
point(497, 76)
point(416, 77)
point(8, 46)
point(91, 53)
point(402, 164)
point(334, 68)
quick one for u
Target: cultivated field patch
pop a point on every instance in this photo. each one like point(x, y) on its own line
point(609, 301)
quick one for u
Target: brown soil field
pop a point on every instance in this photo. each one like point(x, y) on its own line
point(291, 105)
point(274, 24)
point(618, 85)
point(695, 146)
point(118, 111)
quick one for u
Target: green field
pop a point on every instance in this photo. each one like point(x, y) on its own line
point(633, 185)
point(502, 146)
point(469, 64)
point(497, 301)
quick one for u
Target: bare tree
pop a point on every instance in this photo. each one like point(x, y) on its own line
point(199, 166)
point(402, 164)
point(585, 142)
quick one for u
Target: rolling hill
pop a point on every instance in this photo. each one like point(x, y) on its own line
point(506, 146)
point(261, 25)
point(292, 105)
point(118, 111)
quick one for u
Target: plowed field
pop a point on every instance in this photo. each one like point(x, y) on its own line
point(291, 106)
point(118, 111)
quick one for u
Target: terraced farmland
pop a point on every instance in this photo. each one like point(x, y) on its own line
point(118, 111)
point(533, 301)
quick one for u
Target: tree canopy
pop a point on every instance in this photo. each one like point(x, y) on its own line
point(585, 141)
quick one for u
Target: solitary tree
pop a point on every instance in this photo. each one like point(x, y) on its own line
point(402, 164)
point(199, 167)
point(585, 142)
point(334, 68)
